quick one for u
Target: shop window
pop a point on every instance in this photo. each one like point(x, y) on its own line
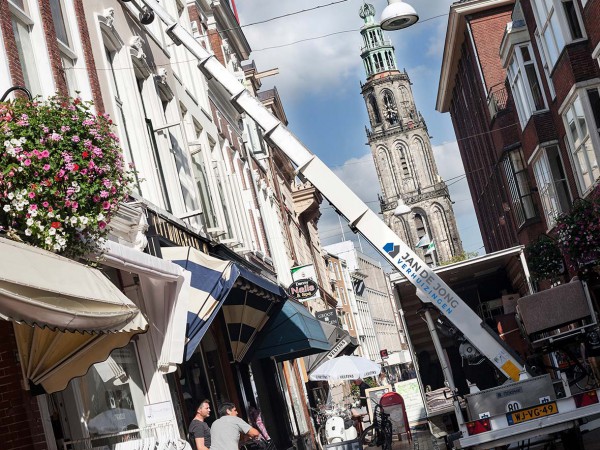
point(582, 123)
point(552, 184)
point(518, 183)
point(108, 400)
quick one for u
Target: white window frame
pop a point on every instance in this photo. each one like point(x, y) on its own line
point(596, 53)
point(520, 84)
point(30, 18)
point(515, 169)
point(586, 179)
point(553, 28)
point(76, 76)
point(549, 185)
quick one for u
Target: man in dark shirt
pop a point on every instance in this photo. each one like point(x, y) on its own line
point(199, 430)
point(362, 387)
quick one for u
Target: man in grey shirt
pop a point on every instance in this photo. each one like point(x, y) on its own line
point(225, 432)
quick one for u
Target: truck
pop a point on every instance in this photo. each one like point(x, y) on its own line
point(544, 415)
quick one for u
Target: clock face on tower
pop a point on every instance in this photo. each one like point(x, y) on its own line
point(390, 110)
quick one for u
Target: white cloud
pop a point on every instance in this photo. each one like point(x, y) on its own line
point(359, 175)
point(331, 64)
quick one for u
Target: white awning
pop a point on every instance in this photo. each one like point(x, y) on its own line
point(165, 290)
point(67, 316)
point(40, 288)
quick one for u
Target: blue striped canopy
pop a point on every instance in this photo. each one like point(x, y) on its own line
point(247, 299)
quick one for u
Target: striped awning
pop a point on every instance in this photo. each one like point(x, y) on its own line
point(246, 299)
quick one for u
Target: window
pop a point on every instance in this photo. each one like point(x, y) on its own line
point(125, 140)
point(558, 23)
point(375, 109)
point(67, 54)
point(516, 175)
point(524, 83)
point(582, 123)
point(22, 26)
point(552, 184)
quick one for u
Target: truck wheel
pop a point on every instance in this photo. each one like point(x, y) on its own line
point(572, 439)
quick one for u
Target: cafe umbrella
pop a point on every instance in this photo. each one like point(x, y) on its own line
point(345, 368)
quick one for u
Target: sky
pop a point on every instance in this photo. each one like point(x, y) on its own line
point(319, 83)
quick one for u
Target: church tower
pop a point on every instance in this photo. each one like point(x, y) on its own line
point(402, 152)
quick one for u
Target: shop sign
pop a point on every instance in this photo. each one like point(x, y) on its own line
point(304, 273)
point(303, 290)
point(337, 348)
point(384, 353)
point(328, 315)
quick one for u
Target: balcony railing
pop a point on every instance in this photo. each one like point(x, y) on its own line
point(382, 43)
point(497, 99)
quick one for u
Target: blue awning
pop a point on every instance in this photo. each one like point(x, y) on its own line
point(292, 333)
point(247, 299)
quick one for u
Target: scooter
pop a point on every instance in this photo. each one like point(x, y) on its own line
point(340, 428)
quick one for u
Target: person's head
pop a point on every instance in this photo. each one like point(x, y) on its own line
point(228, 409)
point(203, 409)
point(358, 381)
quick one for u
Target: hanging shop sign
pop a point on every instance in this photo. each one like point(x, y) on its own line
point(303, 290)
point(328, 315)
point(303, 274)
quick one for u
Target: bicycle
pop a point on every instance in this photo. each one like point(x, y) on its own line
point(584, 376)
point(379, 434)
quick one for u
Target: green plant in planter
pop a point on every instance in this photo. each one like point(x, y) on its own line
point(579, 232)
point(544, 258)
point(61, 174)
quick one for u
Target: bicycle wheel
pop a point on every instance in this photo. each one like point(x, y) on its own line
point(321, 437)
point(583, 377)
point(386, 435)
point(370, 436)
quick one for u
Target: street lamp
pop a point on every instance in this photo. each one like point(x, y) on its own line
point(16, 88)
point(402, 208)
point(398, 15)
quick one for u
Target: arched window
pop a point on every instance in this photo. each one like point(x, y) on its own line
point(403, 163)
point(390, 185)
point(426, 240)
point(442, 220)
point(420, 150)
point(375, 109)
point(390, 109)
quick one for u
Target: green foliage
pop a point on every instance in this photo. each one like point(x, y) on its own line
point(460, 257)
point(579, 231)
point(544, 258)
point(372, 382)
point(62, 174)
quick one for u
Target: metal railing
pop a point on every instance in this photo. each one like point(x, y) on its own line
point(497, 99)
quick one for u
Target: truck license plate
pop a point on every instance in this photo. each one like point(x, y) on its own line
point(523, 415)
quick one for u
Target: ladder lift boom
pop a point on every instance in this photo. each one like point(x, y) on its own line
point(361, 218)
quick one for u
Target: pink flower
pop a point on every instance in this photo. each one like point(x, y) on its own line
point(56, 137)
point(46, 167)
point(102, 225)
point(45, 154)
point(106, 205)
point(27, 162)
point(31, 195)
point(87, 122)
point(45, 204)
point(103, 194)
point(33, 207)
point(75, 138)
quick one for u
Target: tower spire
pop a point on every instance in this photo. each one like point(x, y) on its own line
point(377, 52)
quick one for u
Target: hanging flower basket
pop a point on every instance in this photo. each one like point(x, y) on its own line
point(544, 258)
point(61, 174)
point(579, 232)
